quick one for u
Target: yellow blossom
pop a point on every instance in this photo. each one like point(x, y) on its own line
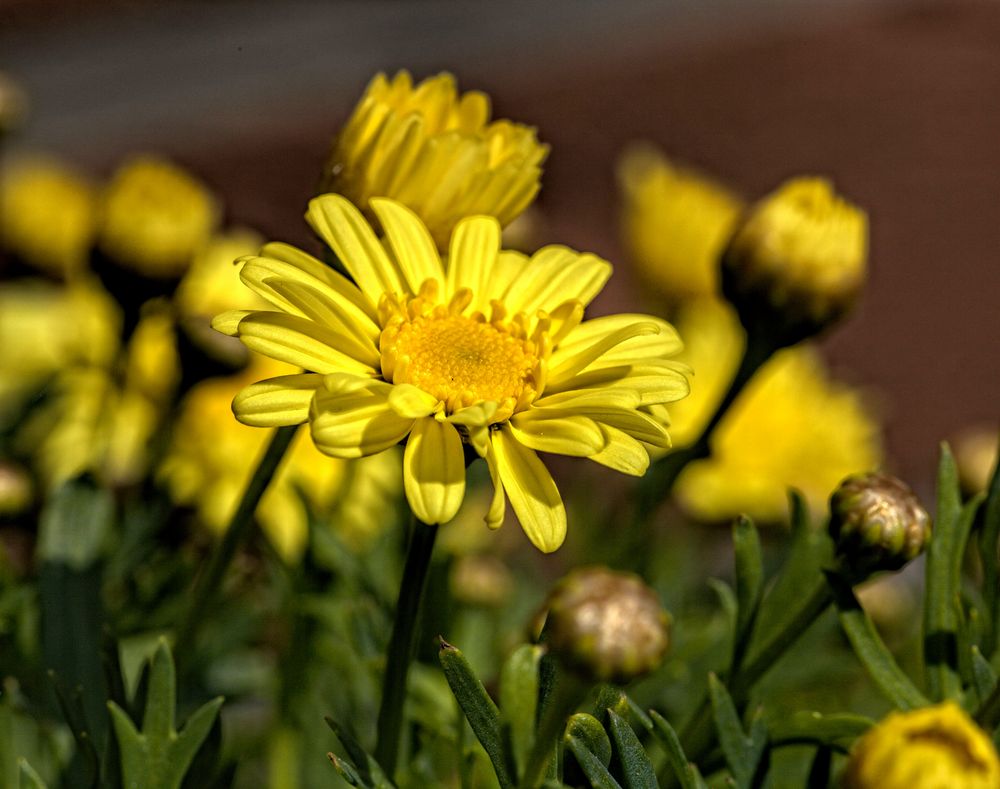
point(675, 223)
point(155, 217)
point(48, 215)
point(152, 364)
point(212, 284)
point(436, 152)
point(212, 457)
point(935, 747)
point(46, 327)
point(976, 455)
point(799, 258)
point(487, 350)
point(791, 426)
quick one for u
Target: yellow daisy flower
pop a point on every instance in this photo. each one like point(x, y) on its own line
point(436, 152)
point(487, 349)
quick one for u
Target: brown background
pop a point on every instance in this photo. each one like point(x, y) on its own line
point(898, 102)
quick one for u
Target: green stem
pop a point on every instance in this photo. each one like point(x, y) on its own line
point(654, 487)
point(402, 644)
point(207, 584)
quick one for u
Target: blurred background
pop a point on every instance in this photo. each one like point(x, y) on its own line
point(896, 101)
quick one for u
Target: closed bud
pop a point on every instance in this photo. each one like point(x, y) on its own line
point(797, 261)
point(928, 748)
point(877, 523)
point(606, 626)
point(15, 489)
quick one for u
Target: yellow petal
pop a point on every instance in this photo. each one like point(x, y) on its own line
point(343, 227)
point(578, 436)
point(411, 243)
point(532, 492)
point(662, 343)
point(555, 274)
point(498, 505)
point(434, 471)
point(655, 381)
point(228, 322)
point(478, 415)
point(298, 341)
point(277, 401)
point(509, 266)
point(570, 358)
point(472, 257)
point(622, 453)
point(313, 273)
point(350, 417)
point(410, 401)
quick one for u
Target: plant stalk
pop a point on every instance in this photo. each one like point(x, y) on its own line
point(402, 644)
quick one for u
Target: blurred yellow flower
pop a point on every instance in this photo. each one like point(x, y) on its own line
point(436, 152)
point(976, 454)
point(46, 327)
point(152, 364)
point(212, 457)
point(89, 423)
point(675, 223)
point(48, 215)
point(155, 217)
point(937, 747)
point(791, 426)
point(487, 350)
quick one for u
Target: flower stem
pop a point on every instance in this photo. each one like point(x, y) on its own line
point(207, 583)
point(402, 643)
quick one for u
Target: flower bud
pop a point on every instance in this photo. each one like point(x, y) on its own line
point(156, 216)
point(976, 455)
point(797, 261)
point(877, 523)
point(15, 489)
point(927, 748)
point(607, 626)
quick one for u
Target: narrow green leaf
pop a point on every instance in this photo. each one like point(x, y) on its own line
point(836, 731)
point(71, 705)
point(727, 598)
point(686, 773)
point(519, 701)
point(368, 771)
point(346, 770)
point(637, 769)
point(749, 574)
point(941, 591)
point(870, 649)
point(27, 777)
point(989, 551)
point(159, 757)
point(589, 743)
point(479, 709)
point(985, 678)
point(732, 738)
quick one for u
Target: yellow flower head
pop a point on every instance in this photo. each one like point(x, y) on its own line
point(48, 216)
point(212, 284)
point(212, 458)
point(800, 257)
point(791, 426)
point(675, 223)
point(156, 216)
point(935, 747)
point(436, 152)
point(487, 349)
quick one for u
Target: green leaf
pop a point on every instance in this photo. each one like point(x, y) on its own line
point(519, 701)
point(870, 649)
point(942, 608)
point(71, 705)
point(479, 709)
point(360, 768)
point(686, 773)
point(749, 583)
point(742, 752)
point(159, 756)
point(989, 551)
point(589, 743)
point(27, 777)
point(637, 770)
point(984, 676)
point(835, 731)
